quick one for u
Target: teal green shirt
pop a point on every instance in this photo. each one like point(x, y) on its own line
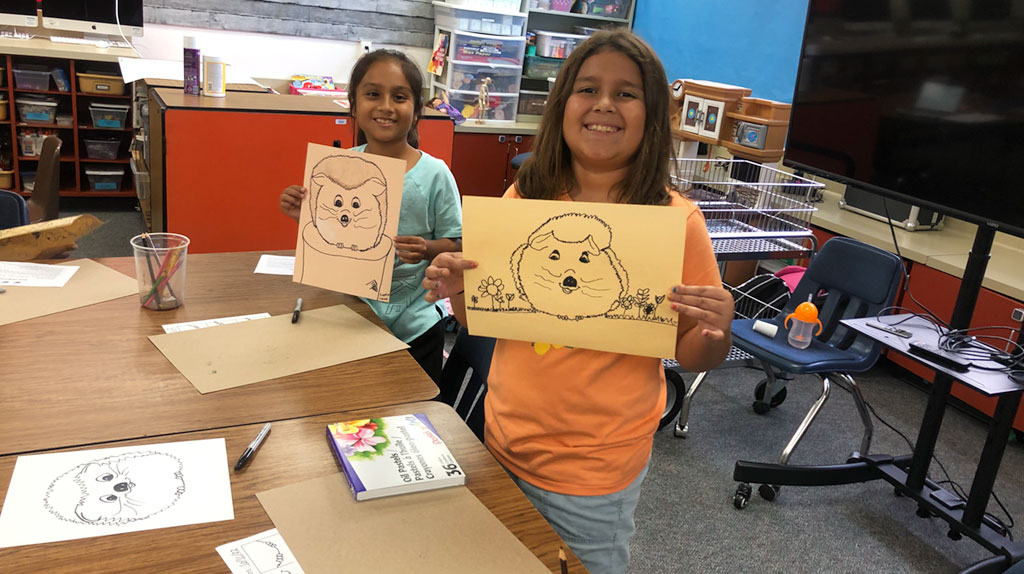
point(431, 209)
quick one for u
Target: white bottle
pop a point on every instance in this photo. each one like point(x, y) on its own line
point(214, 76)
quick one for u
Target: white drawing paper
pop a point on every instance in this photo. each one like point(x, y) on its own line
point(35, 274)
point(276, 265)
point(89, 493)
point(202, 324)
point(263, 553)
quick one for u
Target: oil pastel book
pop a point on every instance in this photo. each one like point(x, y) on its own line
point(393, 455)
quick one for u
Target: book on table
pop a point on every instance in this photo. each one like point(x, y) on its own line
point(393, 455)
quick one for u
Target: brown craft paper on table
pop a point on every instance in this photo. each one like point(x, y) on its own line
point(447, 530)
point(45, 239)
point(237, 354)
point(92, 283)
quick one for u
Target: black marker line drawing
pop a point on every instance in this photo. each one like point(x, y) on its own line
point(117, 489)
point(348, 202)
point(567, 268)
point(265, 554)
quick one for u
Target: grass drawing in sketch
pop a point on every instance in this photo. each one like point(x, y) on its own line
point(567, 268)
point(117, 489)
point(349, 206)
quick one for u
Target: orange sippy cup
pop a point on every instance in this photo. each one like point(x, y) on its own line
point(804, 318)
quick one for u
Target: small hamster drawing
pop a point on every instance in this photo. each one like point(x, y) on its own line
point(349, 201)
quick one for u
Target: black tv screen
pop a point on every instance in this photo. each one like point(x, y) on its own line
point(917, 100)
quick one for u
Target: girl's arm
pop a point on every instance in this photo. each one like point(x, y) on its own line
point(413, 248)
point(705, 322)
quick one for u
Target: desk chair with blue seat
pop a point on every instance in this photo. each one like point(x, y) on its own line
point(857, 280)
point(13, 210)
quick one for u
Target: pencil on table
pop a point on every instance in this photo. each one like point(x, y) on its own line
point(562, 561)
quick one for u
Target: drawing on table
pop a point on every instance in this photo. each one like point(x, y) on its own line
point(348, 221)
point(117, 489)
point(567, 268)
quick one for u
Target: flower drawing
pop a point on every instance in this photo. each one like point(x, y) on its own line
point(491, 288)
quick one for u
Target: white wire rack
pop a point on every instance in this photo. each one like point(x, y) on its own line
point(752, 211)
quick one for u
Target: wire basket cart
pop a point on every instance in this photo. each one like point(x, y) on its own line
point(753, 212)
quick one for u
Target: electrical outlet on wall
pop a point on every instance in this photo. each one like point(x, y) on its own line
point(365, 47)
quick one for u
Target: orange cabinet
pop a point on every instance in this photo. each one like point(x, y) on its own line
point(481, 162)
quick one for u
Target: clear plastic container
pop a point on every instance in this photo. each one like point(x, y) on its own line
point(42, 110)
point(31, 144)
point(111, 116)
point(557, 44)
point(102, 147)
point(532, 103)
point(499, 109)
point(30, 77)
point(467, 77)
point(540, 67)
point(141, 180)
point(484, 49)
point(469, 19)
point(105, 179)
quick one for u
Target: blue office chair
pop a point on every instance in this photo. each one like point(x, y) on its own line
point(517, 161)
point(13, 210)
point(464, 378)
point(855, 280)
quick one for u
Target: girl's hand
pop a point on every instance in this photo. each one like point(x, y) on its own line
point(443, 277)
point(411, 248)
point(291, 200)
point(712, 307)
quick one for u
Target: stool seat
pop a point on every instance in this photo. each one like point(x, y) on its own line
point(518, 160)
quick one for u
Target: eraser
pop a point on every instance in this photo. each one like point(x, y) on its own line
point(765, 328)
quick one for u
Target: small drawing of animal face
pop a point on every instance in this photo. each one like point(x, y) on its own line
point(117, 490)
point(567, 268)
point(349, 197)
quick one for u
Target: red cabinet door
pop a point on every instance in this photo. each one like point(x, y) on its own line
point(480, 163)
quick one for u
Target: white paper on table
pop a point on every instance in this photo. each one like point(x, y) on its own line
point(263, 553)
point(35, 274)
point(204, 323)
point(276, 265)
point(88, 493)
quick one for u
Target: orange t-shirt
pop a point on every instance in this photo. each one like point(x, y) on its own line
point(582, 422)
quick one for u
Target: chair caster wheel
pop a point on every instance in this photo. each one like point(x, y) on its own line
point(777, 399)
point(954, 534)
point(742, 496)
point(768, 491)
point(761, 407)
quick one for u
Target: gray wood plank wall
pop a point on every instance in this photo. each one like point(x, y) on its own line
point(401, 22)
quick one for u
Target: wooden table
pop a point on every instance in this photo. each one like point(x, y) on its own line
point(90, 375)
point(296, 450)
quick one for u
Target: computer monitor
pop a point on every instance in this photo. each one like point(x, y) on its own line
point(94, 17)
point(19, 13)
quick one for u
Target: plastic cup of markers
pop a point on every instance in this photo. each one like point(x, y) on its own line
point(160, 268)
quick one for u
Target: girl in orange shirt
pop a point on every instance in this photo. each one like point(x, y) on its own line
point(573, 426)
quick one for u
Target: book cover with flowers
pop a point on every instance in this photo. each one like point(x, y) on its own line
point(393, 455)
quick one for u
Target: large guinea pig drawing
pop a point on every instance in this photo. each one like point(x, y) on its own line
point(349, 201)
point(567, 268)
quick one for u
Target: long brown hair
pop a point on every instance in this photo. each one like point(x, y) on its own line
point(412, 75)
point(548, 172)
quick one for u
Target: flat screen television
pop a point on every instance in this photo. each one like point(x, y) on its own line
point(916, 100)
point(19, 13)
point(94, 17)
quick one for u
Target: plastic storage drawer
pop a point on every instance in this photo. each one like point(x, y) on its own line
point(484, 49)
point(471, 19)
point(29, 77)
point(500, 108)
point(109, 115)
point(556, 44)
point(31, 144)
point(467, 77)
point(105, 179)
point(102, 148)
point(43, 110)
point(540, 67)
point(100, 84)
point(532, 103)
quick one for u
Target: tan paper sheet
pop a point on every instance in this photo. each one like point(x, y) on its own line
point(45, 239)
point(237, 354)
point(586, 275)
point(348, 221)
point(446, 530)
point(92, 283)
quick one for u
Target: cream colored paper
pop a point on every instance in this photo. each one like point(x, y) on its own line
point(92, 283)
point(586, 275)
point(237, 354)
point(46, 239)
point(348, 221)
point(445, 530)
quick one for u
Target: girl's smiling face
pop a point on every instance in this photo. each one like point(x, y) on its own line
point(604, 118)
point(384, 103)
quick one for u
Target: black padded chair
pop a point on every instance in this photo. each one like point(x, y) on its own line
point(464, 378)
